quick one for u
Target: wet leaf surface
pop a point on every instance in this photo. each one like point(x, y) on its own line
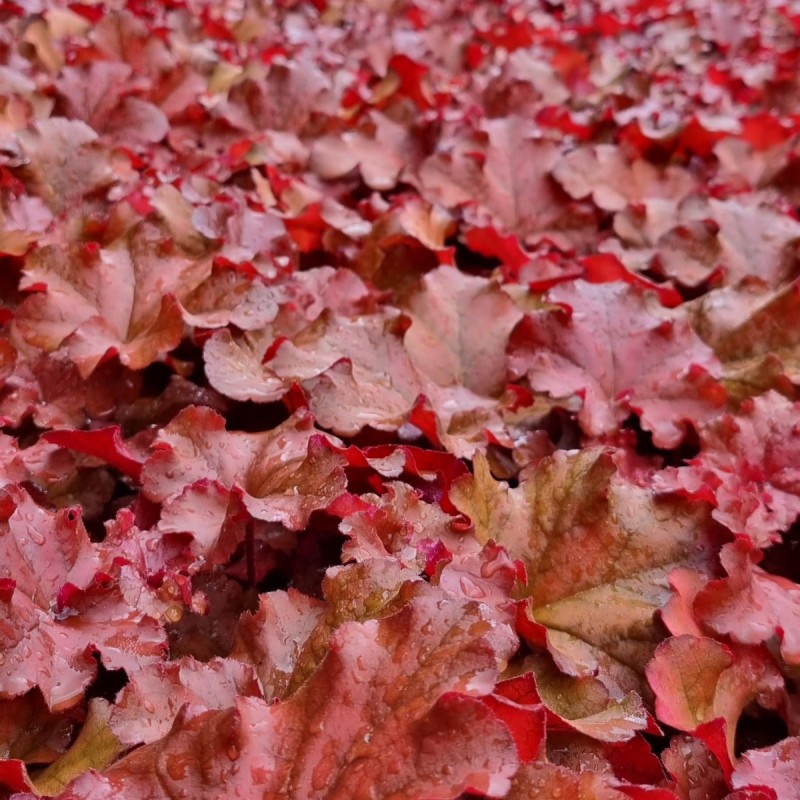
point(399, 400)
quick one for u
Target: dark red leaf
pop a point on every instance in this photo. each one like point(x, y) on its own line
point(104, 443)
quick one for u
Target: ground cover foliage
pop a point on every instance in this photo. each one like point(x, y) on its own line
point(399, 400)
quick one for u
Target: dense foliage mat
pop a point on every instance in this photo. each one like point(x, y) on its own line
point(399, 399)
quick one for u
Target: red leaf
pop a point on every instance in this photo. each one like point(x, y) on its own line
point(527, 725)
point(273, 638)
point(516, 186)
point(14, 776)
point(541, 781)
point(401, 524)
point(536, 263)
point(773, 768)
point(120, 300)
point(104, 443)
point(606, 174)
point(747, 462)
point(339, 362)
point(606, 268)
point(488, 242)
point(604, 344)
point(65, 162)
point(374, 713)
point(146, 708)
point(459, 330)
point(698, 680)
point(694, 769)
point(283, 475)
point(751, 606)
point(96, 94)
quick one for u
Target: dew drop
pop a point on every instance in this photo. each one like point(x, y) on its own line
point(149, 707)
point(471, 589)
point(200, 604)
point(36, 537)
point(174, 613)
point(317, 725)
point(491, 568)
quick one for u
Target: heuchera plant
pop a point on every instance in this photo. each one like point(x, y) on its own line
point(400, 400)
